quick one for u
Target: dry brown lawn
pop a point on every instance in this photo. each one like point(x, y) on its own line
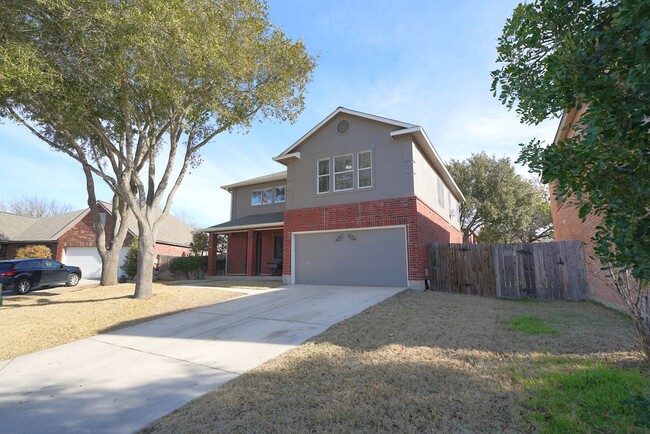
point(50, 317)
point(418, 362)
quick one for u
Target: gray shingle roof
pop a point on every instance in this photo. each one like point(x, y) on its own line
point(250, 222)
point(20, 228)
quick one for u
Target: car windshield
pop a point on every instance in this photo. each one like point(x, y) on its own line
point(5, 266)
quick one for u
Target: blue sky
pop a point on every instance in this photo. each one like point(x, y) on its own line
point(425, 62)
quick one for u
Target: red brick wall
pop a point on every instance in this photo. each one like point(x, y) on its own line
point(212, 254)
point(568, 226)
point(422, 225)
point(171, 250)
point(432, 228)
point(242, 252)
point(236, 255)
point(83, 235)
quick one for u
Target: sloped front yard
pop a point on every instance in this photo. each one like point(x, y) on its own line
point(436, 362)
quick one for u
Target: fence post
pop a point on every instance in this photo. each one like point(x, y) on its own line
point(0, 294)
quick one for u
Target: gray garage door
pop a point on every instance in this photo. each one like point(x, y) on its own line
point(374, 257)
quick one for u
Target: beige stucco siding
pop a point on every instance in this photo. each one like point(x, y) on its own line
point(427, 181)
point(392, 164)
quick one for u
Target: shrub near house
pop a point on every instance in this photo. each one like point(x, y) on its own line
point(190, 267)
point(37, 251)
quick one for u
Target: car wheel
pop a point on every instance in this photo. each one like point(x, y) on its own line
point(23, 286)
point(73, 279)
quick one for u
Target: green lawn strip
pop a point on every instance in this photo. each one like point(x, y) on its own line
point(531, 325)
point(586, 396)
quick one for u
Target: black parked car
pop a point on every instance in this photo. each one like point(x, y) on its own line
point(23, 275)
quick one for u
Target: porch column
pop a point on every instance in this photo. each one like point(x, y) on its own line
point(251, 250)
point(212, 254)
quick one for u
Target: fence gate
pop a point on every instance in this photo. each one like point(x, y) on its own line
point(547, 271)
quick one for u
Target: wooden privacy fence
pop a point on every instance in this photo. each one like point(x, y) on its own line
point(163, 267)
point(547, 271)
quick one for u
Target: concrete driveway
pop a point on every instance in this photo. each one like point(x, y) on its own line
point(119, 382)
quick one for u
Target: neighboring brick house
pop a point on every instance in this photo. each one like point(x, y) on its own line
point(360, 200)
point(568, 226)
point(71, 237)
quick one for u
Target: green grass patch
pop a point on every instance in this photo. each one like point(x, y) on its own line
point(531, 325)
point(596, 399)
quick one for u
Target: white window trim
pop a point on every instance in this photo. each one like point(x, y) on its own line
point(345, 171)
point(319, 176)
point(359, 169)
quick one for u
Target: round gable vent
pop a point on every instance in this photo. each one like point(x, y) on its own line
point(342, 127)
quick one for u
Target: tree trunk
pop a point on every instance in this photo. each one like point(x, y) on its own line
point(146, 256)
point(110, 267)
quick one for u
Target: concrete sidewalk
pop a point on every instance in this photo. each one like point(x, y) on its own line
point(119, 382)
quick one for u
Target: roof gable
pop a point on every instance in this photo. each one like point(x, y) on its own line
point(341, 110)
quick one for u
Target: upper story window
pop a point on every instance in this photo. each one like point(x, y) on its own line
point(343, 172)
point(280, 194)
point(262, 197)
point(323, 175)
point(441, 193)
point(364, 169)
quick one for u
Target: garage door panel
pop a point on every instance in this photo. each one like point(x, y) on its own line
point(88, 259)
point(352, 257)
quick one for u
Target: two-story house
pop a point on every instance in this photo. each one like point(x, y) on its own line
point(361, 198)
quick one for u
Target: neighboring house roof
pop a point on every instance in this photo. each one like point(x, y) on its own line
point(172, 231)
point(274, 219)
point(12, 225)
point(339, 110)
point(273, 177)
point(22, 228)
point(29, 229)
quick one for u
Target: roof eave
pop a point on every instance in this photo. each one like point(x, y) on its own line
point(242, 227)
point(283, 158)
point(254, 181)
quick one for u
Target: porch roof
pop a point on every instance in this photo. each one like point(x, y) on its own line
point(258, 221)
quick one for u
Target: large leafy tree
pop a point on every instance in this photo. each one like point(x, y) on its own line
point(592, 56)
point(134, 89)
point(500, 206)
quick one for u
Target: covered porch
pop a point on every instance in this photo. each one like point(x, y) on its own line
point(255, 246)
